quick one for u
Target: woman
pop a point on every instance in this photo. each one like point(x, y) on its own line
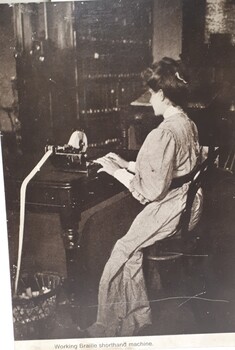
point(169, 151)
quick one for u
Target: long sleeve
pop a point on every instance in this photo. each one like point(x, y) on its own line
point(131, 167)
point(124, 177)
point(154, 166)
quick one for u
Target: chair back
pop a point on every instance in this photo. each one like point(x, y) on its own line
point(181, 239)
point(197, 180)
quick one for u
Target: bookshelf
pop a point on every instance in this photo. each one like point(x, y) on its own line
point(79, 64)
point(114, 45)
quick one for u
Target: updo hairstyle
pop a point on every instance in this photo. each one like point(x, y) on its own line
point(169, 76)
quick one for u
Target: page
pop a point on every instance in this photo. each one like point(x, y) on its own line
point(72, 91)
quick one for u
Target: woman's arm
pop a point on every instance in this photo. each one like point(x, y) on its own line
point(118, 167)
point(124, 176)
point(154, 166)
point(131, 167)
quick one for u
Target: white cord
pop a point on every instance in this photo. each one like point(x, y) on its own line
point(22, 211)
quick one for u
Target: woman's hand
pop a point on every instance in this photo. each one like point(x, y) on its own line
point(117, 159)
point(109, 166)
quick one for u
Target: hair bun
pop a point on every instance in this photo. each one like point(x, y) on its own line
point(148, 74)
point(169, 76)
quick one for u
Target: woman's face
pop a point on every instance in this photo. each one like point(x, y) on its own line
point(157, 102)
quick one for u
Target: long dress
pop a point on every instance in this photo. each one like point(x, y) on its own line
point(169, 151)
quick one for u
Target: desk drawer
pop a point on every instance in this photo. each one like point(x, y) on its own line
point(48, 197)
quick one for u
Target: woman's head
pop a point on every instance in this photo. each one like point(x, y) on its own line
point(167, 83)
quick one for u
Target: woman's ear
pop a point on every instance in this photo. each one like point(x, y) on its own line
point(161, 94)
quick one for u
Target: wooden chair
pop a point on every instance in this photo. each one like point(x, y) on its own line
point(183, 241)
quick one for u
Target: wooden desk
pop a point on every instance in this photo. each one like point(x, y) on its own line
point(65, 193)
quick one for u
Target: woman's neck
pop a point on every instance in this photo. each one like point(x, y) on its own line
point(171, 110)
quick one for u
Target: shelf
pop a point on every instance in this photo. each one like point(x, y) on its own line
point(111, 76)
point(115, 41)
point(100, 111)
point(106, 143)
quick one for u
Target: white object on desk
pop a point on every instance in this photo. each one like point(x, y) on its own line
point(78, 139)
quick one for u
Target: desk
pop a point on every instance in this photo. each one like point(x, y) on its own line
point(65, 193)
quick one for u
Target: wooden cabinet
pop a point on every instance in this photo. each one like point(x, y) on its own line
point(78, 64)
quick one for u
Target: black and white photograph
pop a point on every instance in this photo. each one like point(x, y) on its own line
point(117, 130)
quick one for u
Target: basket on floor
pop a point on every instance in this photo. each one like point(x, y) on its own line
point(34, 307)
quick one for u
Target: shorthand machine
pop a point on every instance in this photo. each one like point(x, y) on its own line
point(72, 157)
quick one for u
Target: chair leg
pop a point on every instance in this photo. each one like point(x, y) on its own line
point(153, 278)
point(151, 270)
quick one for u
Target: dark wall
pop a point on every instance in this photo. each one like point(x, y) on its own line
point(7, 66)
point(167, 26)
